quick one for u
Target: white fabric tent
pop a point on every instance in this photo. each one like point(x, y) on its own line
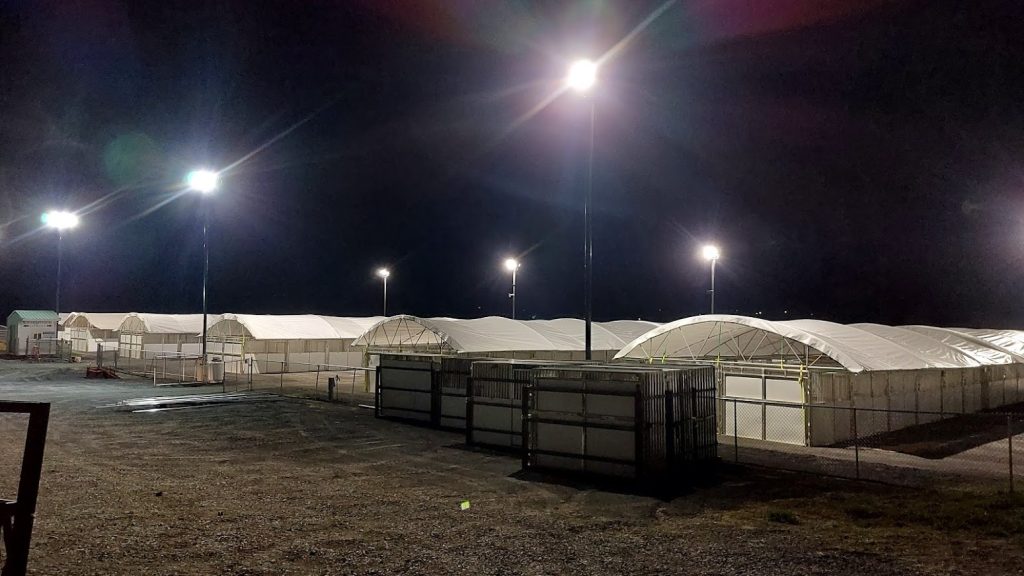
point(855, 347)
point(87, 329)
point(561, 338)
point(144, 335)
point(771, 371)
point(287, 342)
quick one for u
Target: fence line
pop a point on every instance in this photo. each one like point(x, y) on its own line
point(977, 445)
point(306, 380)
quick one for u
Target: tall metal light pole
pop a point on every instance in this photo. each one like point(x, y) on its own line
point(204, 182)
point(59, 221)
point(711, 253)
point(581, 78)
point(512, 265)
point(383, 273)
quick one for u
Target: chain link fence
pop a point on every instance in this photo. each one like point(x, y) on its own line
point(351, 384)
point(894, 446)
point(49, 349)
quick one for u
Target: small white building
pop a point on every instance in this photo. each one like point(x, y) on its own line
point(31, 332)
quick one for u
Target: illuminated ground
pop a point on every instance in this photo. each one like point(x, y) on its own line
point(305, 487)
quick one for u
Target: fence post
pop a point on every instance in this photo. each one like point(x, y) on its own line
point(1009, 441)
point(856, 445)
point(282, 377)
point(735, 434)
point(670, 433)
point(316, 385)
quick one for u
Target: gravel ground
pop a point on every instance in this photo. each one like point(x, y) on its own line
point(302, 487)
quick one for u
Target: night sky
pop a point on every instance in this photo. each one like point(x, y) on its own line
point(856, 161)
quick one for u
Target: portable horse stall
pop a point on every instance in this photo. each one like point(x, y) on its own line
point(633, 422)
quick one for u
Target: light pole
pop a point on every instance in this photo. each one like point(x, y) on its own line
point(59, 221)
point(204, 182)
point(711, 253)
point(512, 265)
point(581, 78)
point(383, 273)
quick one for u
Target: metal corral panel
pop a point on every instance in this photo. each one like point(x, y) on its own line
point(424, 388)
point(405, 387)
point(640, 423)
point(494, 406)
point(453, 385)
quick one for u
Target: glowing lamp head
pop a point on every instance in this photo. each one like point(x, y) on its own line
point(383, 273)
point(511, 264)
point(711, 252)
point(582, 75)
point(204, 181)
point(59, 220)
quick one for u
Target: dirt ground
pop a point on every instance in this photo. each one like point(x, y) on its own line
point(293, 486)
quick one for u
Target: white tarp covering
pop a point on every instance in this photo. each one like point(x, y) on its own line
point(1011, 341)
point(98, 320)
point(497, 334)
point(350, 327)
point(171, 323)
point(301, 326)
point(857, 347)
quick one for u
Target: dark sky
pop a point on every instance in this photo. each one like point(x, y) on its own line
point(856, 161)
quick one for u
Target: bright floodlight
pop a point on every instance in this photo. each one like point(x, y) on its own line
point(204, 181)
point(711, 252)
point(383, 272)
point(511, 264)
point(582, 75)
point(60, 220)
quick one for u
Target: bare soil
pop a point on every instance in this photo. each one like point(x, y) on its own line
point(295, 486)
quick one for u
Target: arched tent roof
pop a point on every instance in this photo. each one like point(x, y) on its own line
point(352, 327)
point(292, 326)
point(985, 353)
point(1011, 341)
point(629, 330)
point(857, 348)
point(97, 320)
point(167, 323)
point(490, 334)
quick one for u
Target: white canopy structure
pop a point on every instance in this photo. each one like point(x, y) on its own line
point(88, 329)
point(774, 376)
point(145, 335)
point(560, 339)
point(855, 347)
point(287, 343)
